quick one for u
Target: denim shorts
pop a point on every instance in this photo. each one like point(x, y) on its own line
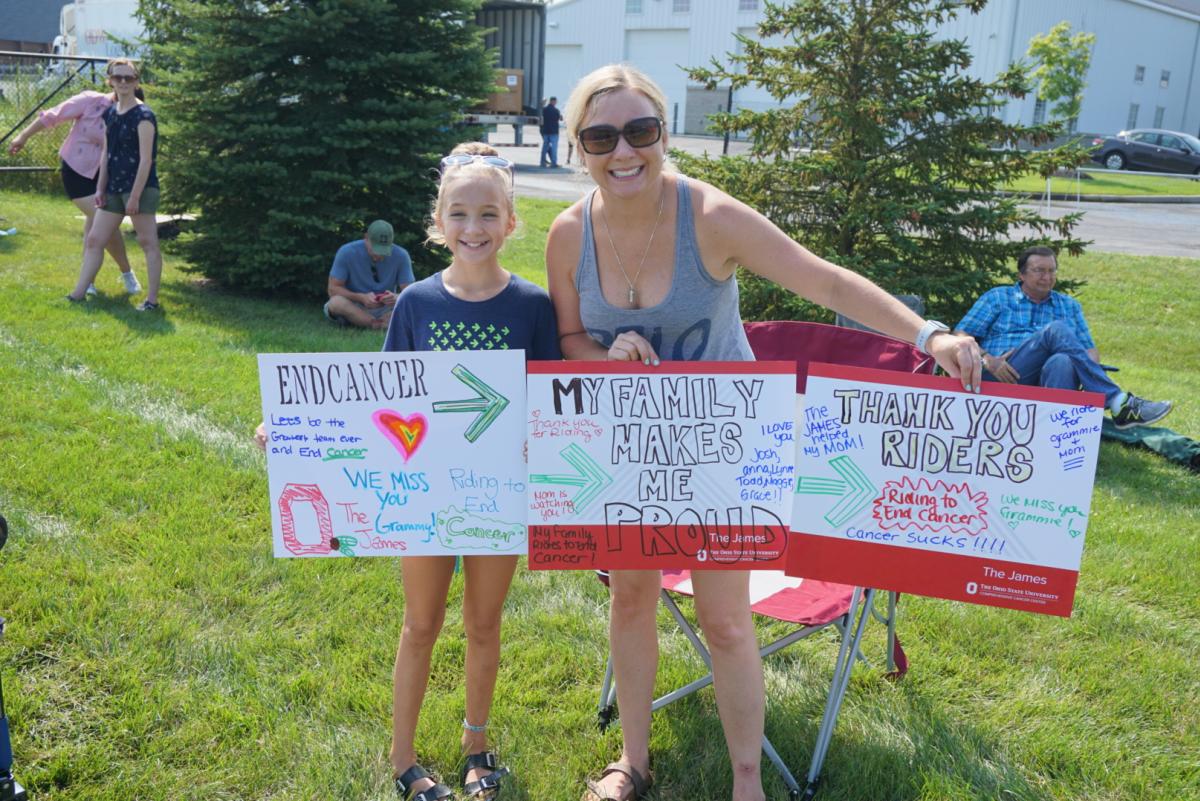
point(148, 204)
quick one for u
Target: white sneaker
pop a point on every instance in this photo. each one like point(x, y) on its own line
point(131, 283)
point(91, 290)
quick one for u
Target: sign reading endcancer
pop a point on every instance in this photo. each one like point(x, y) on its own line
point(908, 483)
point(684, 465)
point(395, 454)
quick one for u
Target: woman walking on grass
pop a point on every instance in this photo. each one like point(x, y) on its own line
point(642, 269)
point(127, 183)
point(80, 155)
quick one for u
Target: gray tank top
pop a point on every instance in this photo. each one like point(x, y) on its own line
point(697, 320)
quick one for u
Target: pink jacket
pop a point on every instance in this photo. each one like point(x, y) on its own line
point(81, 150)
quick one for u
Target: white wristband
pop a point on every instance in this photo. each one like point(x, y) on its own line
point(930, 328)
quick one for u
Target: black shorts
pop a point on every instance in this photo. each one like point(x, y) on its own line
point(77, 185)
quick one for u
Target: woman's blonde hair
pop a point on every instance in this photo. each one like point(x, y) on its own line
point(607, 79)
point(456, 172)
point(123, 62)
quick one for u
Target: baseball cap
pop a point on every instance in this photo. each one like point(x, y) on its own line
point(381, 237)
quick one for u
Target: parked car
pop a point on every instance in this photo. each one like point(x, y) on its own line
point(1149, 149)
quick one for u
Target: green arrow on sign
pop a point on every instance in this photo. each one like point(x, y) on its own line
point(854, 488)
point(489, 403)
point(588, 475)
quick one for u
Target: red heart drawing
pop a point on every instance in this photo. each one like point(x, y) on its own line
point(406, 434)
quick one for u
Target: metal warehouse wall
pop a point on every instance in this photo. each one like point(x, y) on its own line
point(520, 39)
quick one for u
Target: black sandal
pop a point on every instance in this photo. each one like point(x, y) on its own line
point(641, 784)
point(413, 775)
point(487, 788)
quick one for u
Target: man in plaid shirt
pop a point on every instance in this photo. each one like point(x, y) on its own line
point(1035, 336)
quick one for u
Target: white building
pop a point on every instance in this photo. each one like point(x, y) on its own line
point(1145, 68)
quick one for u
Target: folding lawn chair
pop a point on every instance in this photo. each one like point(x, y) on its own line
point(810, 605)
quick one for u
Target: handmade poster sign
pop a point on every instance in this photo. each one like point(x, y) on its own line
point(684, 465)
point(906, 482)
point(395, 454)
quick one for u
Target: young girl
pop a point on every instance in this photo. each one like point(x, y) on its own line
point(472, 216)
point(127, 183)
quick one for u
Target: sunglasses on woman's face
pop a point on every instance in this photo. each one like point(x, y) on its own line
point(118, 77)
point(459, 159)
point(600, 139)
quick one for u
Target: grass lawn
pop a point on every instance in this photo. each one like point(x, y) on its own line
point(1102, 183)
point(157, 651)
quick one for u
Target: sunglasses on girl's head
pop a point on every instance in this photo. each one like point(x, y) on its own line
point(121, 78)
point(600, 139)
point(459, 159)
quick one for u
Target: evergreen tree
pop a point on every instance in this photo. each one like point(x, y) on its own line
point(888, 158)
point(290, 124)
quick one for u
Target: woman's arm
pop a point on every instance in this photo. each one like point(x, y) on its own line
point(563, 246)
point(732, 233)
point(145, 131)
point(18, 142)
point(102, 175)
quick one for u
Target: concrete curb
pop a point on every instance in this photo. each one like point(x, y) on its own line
point(1172, 199)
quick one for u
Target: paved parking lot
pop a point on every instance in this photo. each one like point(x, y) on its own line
point(1150, 229)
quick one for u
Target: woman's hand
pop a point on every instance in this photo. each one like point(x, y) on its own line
point(131, 205)
point(99, 199)
point(260, 436)
point(960, 356)
point(632, 347)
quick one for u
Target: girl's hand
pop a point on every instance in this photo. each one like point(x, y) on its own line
point(960, 356)
point(131, 205)
point(260, 436)
point(100, 199)
point(632, 347)
point(14, 147)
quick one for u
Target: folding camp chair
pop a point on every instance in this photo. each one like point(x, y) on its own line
point(811, 605)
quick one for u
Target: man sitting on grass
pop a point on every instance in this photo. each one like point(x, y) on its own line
point(1035, 336)
point(367, 275)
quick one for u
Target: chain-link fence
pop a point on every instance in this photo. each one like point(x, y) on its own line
point(33, 82)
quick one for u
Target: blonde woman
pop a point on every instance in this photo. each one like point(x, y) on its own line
point(643, 269)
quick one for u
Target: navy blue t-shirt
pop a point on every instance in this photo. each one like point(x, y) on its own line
point(123, 154)
point(427, 317)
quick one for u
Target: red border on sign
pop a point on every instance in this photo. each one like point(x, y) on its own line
point(996, 388)
point(939, 575)
point(664, 368)
point(602, 557)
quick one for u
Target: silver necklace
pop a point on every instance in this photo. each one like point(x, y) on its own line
point(662, 197)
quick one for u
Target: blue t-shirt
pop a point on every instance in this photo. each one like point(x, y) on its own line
point(353, 265)
point(427, 317)
point(120, 131)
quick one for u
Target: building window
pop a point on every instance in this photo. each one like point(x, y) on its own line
point(633, 6)
point(1039, 112)
point(1159, 111)
point(1131, 123)
point(1165, 80)
point(1139, 74)
point(682, 6)
point(747, 5)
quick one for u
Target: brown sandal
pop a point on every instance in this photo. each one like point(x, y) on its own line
point(641, 784)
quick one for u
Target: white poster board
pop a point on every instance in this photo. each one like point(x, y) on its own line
point(906, 482)
point(684, 465)
point(395, 454)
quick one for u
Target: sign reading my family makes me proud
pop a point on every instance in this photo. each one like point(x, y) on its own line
point(684, 465)
point(908, 483)
point(395, 454)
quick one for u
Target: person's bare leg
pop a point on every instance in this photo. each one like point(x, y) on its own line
point(146, 228)
point(487, 581)
point(116, 242)
point(101, 230)
point(426, 581)
point(350, 312)
point(633, 643)
point(723, 609)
